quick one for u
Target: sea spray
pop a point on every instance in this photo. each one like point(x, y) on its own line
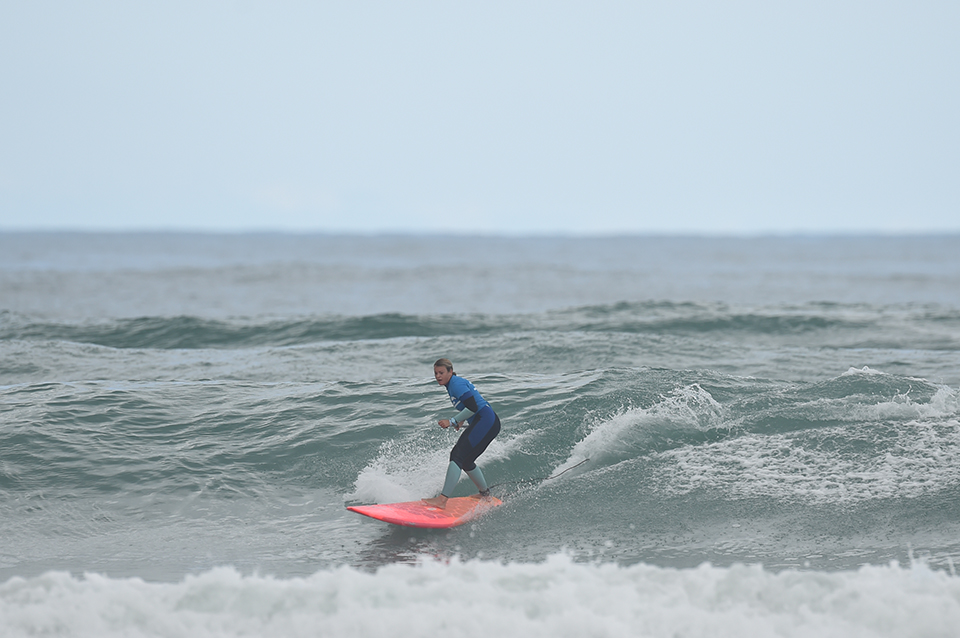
point(638, 431)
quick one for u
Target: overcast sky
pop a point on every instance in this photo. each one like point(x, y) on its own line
point(481, 117)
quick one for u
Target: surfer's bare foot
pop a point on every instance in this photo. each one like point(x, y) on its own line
point(437, 501)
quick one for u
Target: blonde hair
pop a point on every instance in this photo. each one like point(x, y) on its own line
point(446, 363)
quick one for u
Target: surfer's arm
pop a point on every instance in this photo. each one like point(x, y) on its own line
point(468, 407)
point(462, 415)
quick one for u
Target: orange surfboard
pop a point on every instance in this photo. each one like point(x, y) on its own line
point(458, 511)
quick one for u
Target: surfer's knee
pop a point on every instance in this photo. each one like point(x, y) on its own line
point(463, 455)
point(462, 458)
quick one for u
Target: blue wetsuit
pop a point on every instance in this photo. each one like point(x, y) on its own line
point(482, 427)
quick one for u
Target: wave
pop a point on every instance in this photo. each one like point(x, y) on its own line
point(185, 436)
point(688, 452)
point(863, 435)
point(195, 332)
point(556, 597)
point(676, 419)
point(864, 326)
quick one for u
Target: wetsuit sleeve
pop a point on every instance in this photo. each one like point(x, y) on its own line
point(470, 407)
point(469, 403)
point(465, 398)
point(463, 415)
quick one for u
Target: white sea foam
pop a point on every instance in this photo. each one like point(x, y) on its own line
point(555, 598)
point(626, 435)
point(400, 472)
point(944, 403)
point(923, 457)
point(867, 370)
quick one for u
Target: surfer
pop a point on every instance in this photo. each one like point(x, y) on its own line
point(483, 425)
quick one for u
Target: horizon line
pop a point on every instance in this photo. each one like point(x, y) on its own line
point(486, 234)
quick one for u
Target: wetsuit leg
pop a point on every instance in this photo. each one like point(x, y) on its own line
point(453, 477)
point(477, 477)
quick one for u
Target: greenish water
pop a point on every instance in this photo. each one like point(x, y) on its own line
point(163, 434)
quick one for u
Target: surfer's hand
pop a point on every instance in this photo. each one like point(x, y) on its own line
point(444, 423)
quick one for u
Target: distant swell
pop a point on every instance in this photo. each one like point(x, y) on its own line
point(194, 332)
point(813, 321)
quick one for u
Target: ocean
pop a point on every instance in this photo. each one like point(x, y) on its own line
point(702, 436)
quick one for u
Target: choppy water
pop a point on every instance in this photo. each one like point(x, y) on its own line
point(196, 411)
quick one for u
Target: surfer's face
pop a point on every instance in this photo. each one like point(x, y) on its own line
point(442, 375)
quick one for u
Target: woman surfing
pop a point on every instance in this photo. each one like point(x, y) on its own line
point(482, 426)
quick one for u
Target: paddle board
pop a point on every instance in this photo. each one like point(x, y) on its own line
point(458, 511)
